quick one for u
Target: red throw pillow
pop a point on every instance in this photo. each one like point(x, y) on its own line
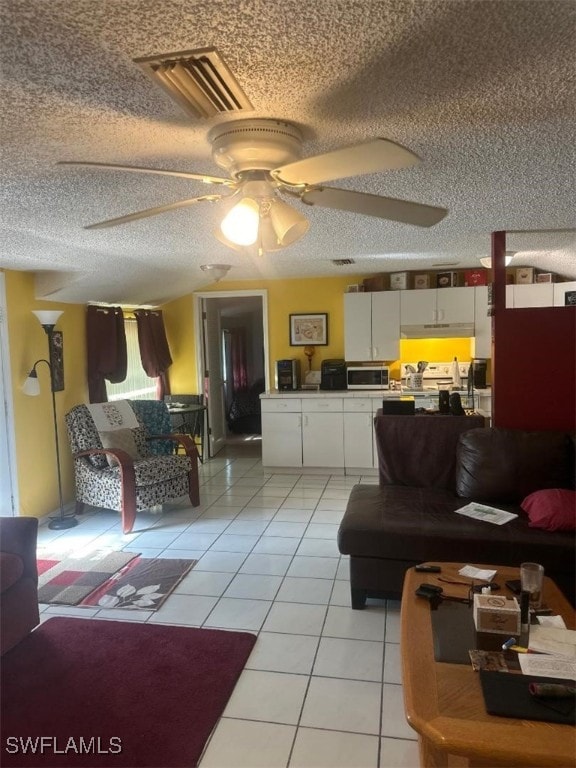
point(552, 510)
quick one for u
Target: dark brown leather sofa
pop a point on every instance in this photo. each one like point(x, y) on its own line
point(18, 580)
point(427, 471)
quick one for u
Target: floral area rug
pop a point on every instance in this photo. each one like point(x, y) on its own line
point(144, 584)
point(68, 578)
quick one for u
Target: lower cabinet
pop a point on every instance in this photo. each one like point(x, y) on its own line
point(323, 432)
point(322, 440)
point(281, 432)
point(358, 433)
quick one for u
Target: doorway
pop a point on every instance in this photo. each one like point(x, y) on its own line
point(232, 363)
point(8, 483)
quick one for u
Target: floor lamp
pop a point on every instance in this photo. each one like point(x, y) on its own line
point(48, 320)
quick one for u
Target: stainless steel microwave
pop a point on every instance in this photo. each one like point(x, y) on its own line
point(368, 377)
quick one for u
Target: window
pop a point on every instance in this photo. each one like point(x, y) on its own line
point(137, 385)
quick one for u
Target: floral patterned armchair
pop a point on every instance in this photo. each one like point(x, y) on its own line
point(118, 469)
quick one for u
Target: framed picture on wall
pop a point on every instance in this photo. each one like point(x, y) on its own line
point(309, 329)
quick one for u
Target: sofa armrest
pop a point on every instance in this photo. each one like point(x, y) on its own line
point(18, 536)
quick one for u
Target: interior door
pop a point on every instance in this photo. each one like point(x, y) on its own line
point(213, 376)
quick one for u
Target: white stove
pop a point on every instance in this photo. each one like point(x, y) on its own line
point(436, 376)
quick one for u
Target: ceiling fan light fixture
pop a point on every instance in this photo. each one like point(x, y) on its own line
point(240, 225)
point(216, 271)
point(288, 223)
point(486, 261)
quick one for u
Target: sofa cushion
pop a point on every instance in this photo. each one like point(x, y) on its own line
point(505, 465)
point(419, 524)
point(552, 510)
point(121, 439)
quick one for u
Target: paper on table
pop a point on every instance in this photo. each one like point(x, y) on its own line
point(486, 514)
point(547, 666)
point(477, 573)
point(552, 640)
point(551, 621)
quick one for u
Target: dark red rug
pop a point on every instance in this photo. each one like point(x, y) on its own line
point(88, 692)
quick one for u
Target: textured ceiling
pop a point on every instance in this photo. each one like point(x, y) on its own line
point(482, 90)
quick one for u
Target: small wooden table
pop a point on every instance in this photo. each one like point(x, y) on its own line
point(444, 702)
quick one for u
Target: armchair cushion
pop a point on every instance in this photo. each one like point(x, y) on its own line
point(122, 439)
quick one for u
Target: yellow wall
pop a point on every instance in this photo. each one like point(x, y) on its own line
point(284, 298)
point(33, 421)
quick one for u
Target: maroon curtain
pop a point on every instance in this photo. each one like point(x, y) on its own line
point(238, 355)
point(106, 350)
point(154, 350)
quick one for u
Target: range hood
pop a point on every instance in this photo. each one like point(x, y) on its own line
point(437, 331)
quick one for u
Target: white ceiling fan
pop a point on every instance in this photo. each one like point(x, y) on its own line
point(263, 160)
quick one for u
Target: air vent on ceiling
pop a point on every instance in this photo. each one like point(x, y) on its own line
point(342, 262)
point(198, 80)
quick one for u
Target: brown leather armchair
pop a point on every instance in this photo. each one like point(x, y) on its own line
point(18, 580)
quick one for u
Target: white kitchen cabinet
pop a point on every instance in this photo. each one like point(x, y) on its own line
point(322, 432)
point(437, 305)
point(358, 433)
point(281, 432)
point(482, 343)
point(560, 291)
point(533, 295)
point(372, 326)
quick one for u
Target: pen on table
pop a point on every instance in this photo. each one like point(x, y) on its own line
point(524, 617)
point(509, 643)
point(521, 649)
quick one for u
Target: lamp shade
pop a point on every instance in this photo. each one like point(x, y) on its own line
point(216, 271)
point(240, 225)
point(47, 316)
point(486, 261)
point(31, 386)
point(289, 224)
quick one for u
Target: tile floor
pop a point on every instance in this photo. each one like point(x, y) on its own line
point(322, 686)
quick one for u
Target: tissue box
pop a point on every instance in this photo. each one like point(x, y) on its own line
point(500, 615)
point(446, 279)
point(524, 275)
point(399, 281)
point(475, 277)
point(421, 281)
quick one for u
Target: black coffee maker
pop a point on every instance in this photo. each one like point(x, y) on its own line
point(477, 373)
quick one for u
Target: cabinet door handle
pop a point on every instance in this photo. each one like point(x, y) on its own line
point(299, 421)
point(434, 315)
point(369, 353)
point(305, 421)
point(441, 313)
point(376, 353)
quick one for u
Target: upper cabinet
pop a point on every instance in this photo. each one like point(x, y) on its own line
point(482, 323)
point(372, 326)
point(437, 305)
point(533, 295)
point(560, 290)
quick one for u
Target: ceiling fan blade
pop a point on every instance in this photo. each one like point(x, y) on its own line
point(153, 211)
point(369, 157)
point(136, 169)
point(375, 205)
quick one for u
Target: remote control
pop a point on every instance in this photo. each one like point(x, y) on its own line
point(427, 569)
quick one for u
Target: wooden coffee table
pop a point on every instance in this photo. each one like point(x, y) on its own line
point(444, 702)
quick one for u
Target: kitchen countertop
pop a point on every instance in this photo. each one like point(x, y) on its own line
point(357, 393)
